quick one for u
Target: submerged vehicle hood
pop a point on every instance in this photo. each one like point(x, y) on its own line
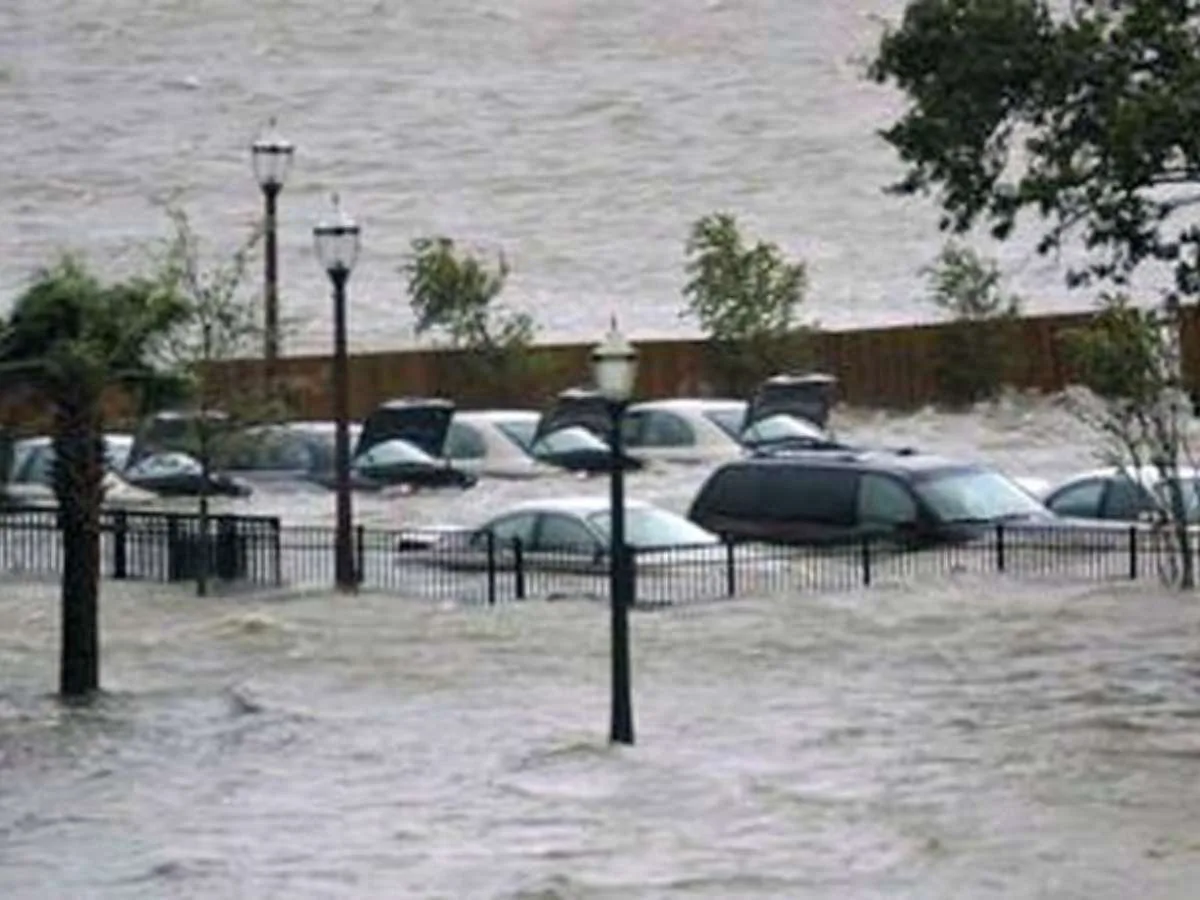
point(809, 397)
point(579, 407)
point(422, 422)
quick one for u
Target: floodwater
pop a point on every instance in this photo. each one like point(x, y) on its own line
point(962, 739)
point(581, 137)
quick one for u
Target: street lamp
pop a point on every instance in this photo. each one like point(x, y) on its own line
point(272, 158)
point(337, 242)
point(614, 368)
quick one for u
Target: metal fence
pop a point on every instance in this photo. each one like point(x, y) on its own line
point(257, 551)
point(413, 564)
point(149, 546)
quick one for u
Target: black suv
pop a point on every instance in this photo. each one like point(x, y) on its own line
point(833, 497)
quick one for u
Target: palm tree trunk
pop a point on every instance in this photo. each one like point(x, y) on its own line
point(79, 489)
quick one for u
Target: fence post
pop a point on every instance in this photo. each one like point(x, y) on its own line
point(730, 569)
point(491, 568)
point(277, 551)
point(866, 561)
point(1133, 553)
point(120, 529)
point(1000, 547)
point(173, 555)
point(518, 569)
point(360, 553)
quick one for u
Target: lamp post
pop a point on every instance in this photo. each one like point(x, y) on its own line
point(337, 243)
point(272, 157)
point(614, 367)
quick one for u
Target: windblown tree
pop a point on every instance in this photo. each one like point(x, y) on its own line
point(220, 322)
point(1086, 114)
point(1129, 360)
point(69, 338)
point(978, 350)
point(746, 300)
point(456, 295)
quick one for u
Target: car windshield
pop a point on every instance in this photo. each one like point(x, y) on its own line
point(976, 494)
point(728, 420)
point(572, 439)
point(647, 527)
point(781, 428)
point(393, 453)
point(520, 432)
point(1191, 497)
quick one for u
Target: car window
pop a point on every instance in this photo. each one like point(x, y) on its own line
point(648, 527)
point(464, 442)
point(392, 453)
point(664, 429)
point(507, 529)
point(960, 495)
point(728, 420)
point(781, 428)
point(885, 500)
point(519, 431)
point(731, 491)
point(559, 532)
point(1081, 500)
point(37, 467)
point(811, 494)
point(1126, 500)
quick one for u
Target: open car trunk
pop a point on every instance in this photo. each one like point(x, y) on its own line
point(421, 421)
point(809, 397)
point(577, 409)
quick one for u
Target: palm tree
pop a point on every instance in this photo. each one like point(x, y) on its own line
point(69, 338)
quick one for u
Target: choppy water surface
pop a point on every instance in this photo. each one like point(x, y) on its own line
point(963, 740)
point(582, 137)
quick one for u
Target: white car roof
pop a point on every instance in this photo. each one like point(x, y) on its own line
point(497, 415)
point(691, 404)
point(579, 506)
point(1143, 474)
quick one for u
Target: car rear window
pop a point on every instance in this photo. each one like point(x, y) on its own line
point(827, 495)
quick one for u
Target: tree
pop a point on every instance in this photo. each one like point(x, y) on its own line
point(1128, 358)
point(745, 299)
point(69, 338)
point(456, 294)
point(976, 351)
point(1088, 117)
point(220, 323)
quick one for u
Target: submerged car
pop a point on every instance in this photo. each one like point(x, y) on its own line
point(820, 498)
point(166, 456)
point(31, 472)
point(1123, 494)
point(402, 442)
point(568, 534)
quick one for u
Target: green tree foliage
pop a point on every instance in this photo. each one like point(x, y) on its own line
point(69, 337)
point(746, 300)
point(1128, 358)
point(1087, 114)
point(456, 295)
point(978, 351)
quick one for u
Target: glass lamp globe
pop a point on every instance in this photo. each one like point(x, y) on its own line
point(271, 155)
point(614, 366)
point(337, 240)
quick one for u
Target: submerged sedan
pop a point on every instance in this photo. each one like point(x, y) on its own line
point(566, 534)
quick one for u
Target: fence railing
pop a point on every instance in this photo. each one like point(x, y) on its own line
point(149, 546)
point(166, 547)
point(486, 571)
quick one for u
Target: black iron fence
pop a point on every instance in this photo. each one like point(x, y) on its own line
point(150, 546)
point(159, 546)
point(482, 570)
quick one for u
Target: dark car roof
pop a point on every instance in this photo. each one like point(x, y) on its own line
point(896, 462)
